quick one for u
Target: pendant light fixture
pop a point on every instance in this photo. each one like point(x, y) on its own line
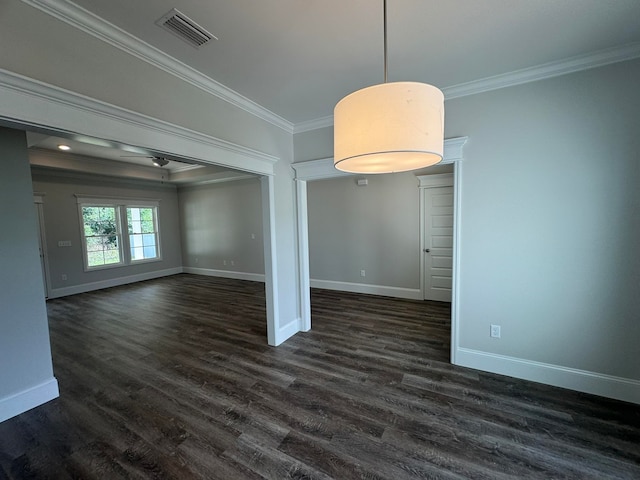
point(391, 127)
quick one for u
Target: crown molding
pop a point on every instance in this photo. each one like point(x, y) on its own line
point(222, 177)
point(35, 104)
point(453, 150)
point(43, 173)
point(90, 23)
point(185, 168)
point(320, 169)
point(579, 63)
point(314, 124)
point(596, 59)
point(437, 180)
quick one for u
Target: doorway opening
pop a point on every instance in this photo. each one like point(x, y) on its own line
point(324, 169)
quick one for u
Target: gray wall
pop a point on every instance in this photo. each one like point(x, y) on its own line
point(62, 222)
point(25, 354)
point(373, 228)
point(550, 220)
point(549, 228)
point(41, 47)
point(549, 213)
point(217, 223)
point(313, 145)
point(96, 69)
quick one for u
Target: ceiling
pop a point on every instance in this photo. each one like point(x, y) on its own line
point(96, 148)
point(297, 58)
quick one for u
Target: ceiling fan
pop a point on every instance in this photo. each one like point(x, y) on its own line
point(157, 161)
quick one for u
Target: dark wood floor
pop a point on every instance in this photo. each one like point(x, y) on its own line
point(172, 378)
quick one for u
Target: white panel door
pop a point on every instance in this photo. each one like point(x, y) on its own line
point(438, 243)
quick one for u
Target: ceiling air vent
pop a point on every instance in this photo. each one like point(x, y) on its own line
point(185, 28)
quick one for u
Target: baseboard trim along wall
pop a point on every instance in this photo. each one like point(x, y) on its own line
point(386, 291)
point(28, 399)
point(114, 282)
point(600, 384)
point(398, 292)
point(210, 272)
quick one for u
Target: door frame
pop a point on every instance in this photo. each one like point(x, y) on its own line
point(28, 104)
point(323, 169)
point(38, 200)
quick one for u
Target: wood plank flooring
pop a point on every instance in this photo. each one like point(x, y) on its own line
point(172, 378)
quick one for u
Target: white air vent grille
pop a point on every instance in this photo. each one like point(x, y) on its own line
point(185, 28)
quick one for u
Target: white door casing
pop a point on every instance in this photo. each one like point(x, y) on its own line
point(29, 104)
point(323, 169)
point(42, 243)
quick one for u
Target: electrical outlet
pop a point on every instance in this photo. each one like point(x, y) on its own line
point(362, 273)
point(64, 277)
point(224, 262)
point(495, 331)
point(233, 263)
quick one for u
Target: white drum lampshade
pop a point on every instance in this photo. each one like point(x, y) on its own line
point(387, 128)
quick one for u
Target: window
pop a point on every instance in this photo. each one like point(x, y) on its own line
point(103, 222)
point(101, 227)
point(143, 238)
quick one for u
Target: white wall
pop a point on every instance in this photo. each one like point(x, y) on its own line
point(62, 222)
point(221, 223)
point(550, 230)
point(26, 374)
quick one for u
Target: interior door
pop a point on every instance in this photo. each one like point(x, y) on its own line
point(438, 243)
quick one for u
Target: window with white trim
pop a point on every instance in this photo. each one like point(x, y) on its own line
point(102, 235)
point(143, 233)
point(118, 232)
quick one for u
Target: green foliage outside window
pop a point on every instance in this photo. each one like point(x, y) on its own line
point(101, 234)
point(140, 220)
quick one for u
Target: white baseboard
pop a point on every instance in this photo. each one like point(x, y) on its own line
point(28, 399)
point(398, 292)
point(609, 386)
point(115, 282)
point(210, 272)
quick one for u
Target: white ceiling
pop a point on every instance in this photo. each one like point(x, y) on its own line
point(88, 148)
point(297, 58)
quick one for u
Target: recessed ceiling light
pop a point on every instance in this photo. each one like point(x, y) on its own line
point(64, 147)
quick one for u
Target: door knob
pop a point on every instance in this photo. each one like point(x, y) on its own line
point(426, 250)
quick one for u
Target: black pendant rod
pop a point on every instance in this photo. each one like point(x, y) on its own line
point(386, 67)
